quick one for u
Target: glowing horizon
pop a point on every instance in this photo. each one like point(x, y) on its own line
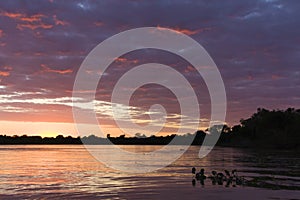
point(42, 49)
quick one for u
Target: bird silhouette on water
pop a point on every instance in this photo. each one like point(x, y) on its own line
point(218, 177)
point(193, 170)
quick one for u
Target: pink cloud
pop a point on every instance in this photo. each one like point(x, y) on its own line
point(34, 26)
point(12, 15)
point(250, 78)
point(124, 60)
point(48, 69)
point(31, 22)
point(6, 71)
point(189, 69)
point(1, 33)
point(187, 31)
point(59, 22)
point(275, 77)
point(33, 18)
point(98, 23)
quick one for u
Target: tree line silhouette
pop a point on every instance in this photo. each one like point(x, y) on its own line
point(265, 128)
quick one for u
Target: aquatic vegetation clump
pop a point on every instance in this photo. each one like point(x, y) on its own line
point(229, 178)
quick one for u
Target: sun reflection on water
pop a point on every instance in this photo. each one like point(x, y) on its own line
point(67, 171)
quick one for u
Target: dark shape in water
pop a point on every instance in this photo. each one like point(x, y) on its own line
point(200, 175)
point(233, 172)
point(227, 173)
point(219, 178)
point(193, 170)
point(193, 182)
point(202, 171)
point(214, 173)
point(202, 182)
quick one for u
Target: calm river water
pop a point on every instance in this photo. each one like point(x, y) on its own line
point(70, 172)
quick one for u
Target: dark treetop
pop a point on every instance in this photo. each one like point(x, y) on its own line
point(267, 129)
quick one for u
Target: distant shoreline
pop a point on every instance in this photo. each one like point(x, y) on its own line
point(151, 141)
point(278, 129)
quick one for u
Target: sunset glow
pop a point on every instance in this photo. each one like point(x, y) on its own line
point(42, 49)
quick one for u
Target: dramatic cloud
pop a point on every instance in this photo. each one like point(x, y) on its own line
point(255, 45)
point(27, 21)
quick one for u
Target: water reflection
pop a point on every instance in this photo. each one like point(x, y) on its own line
point(59, 171)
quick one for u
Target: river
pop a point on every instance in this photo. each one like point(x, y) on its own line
point(70, 172)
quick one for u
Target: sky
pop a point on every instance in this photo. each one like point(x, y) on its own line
point(254, 43)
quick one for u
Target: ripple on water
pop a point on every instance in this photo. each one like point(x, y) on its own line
point(61, 171)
